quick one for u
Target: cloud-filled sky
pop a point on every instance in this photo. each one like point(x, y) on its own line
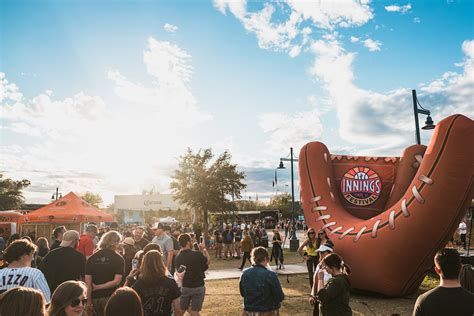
point(103, 96)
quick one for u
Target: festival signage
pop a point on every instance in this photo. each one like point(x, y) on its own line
point(361, 186)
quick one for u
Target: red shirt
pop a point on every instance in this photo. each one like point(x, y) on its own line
point(86, 245)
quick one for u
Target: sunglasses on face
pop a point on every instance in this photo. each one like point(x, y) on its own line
point(76, 302)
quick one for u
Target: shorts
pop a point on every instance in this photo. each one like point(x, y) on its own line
point(193, 296)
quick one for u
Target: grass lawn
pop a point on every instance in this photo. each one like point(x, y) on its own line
point(217, 264)
point(223, 297)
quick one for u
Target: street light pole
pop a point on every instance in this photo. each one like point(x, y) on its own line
point(429, 122)
point(56, 196)
point(294, 242)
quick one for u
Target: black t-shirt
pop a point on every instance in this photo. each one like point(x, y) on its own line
point(157, 297)
point(445, 301)
point(142, 243)
point(218, 237)
point(62, 264)
point(55, 244)
point(196, 264)
point(103, 266)
point(228, 236)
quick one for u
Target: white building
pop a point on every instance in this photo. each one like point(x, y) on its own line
point(133, 205)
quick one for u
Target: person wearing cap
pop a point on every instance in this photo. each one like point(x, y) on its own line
point(129, 251)
point(64, 263)
point(323, 251)
point(86, 241)
point(165, 242)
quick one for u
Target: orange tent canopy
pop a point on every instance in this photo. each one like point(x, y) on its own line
point(12, 217)
point(69, 209)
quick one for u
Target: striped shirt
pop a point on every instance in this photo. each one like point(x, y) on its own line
point(27, 277)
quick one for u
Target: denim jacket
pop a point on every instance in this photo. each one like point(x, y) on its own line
point(260, 289)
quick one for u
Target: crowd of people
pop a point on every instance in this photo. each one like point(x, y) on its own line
point(160, 270)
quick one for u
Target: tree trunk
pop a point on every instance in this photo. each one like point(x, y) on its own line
point(205, 220)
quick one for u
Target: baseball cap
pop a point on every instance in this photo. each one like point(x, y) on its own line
point(324, 248)
point(69, 237)
point(128, 241)
point(158, 226)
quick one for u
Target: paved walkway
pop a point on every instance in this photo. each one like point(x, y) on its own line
point(235, 273)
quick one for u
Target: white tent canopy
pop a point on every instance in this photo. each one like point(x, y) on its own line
point(168, 219)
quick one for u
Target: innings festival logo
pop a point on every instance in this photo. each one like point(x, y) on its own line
point(361, 186)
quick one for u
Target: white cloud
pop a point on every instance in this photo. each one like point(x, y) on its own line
point(354, 39)
point(81, 142)
point(396, 8)
point(416, 20)
point(372, 45)
point(286, 129)
point(287, 36)
point(170, 28)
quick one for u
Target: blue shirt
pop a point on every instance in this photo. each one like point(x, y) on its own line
point(260, 289)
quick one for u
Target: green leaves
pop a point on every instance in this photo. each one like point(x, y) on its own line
point(11, 196)
point(206, 184)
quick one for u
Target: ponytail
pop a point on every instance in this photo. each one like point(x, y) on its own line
point(346, 269)
point(333, 260)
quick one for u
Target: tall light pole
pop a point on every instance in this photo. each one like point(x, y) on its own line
point(294, 242)
point(56, 196)
point(429, 121)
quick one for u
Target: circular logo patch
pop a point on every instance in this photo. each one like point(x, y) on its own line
point(361, 186)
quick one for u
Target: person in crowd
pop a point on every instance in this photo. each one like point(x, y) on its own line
point(12, 238)
point(3, 242)
point(277, 251)
point(19, 272)
point(310, 255)
point(22, 301)
point(324, 239)
point(104, 272)
point(58, 237)
point(86, 241)
point(135, 273)
point(449, 298)
point(260, 287)
point(140, 240)
point(129, 251)
point(157, 291)
point(218, 243)
point(228, 239)
point(64, 263)
point(246, 245)
point(176, 247)
point(165, 242)
point(333, 297)
point(323, 251)
point(462, 233)
point(196, 263)
point(237, 239)
point(124, 301)
point(69, 299)
point(43, 249)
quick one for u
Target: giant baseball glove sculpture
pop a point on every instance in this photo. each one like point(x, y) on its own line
point(389, 216)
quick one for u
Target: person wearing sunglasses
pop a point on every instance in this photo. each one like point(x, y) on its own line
point(69, 299)
point(310, 254)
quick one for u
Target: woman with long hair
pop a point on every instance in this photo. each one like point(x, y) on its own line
point(158, 291)
point(124, 301)
point(310, 254)
point(277, 251)
point(334, 296)
point(43, 249)
point(22, 301)
point(323, 239)
point(19, 255)
point(104, 272)
point(69, 299)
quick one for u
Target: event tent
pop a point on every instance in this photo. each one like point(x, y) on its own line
point(69, 209)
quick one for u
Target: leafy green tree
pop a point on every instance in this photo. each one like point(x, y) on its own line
point(282, 202)
point(11, 195)
point(93, 199)
point(205, 184)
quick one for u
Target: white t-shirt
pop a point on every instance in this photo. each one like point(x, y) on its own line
point(462, 228)
point(327, 276)
point(27, 277)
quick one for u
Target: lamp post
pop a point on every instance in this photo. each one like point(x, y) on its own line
point(429, 121)
point(56, 196)
point(294, 242)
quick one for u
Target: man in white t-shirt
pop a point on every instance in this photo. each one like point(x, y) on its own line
point(462, 233)
point(19, 272)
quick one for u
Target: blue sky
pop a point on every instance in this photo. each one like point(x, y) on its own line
point(104, 95)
